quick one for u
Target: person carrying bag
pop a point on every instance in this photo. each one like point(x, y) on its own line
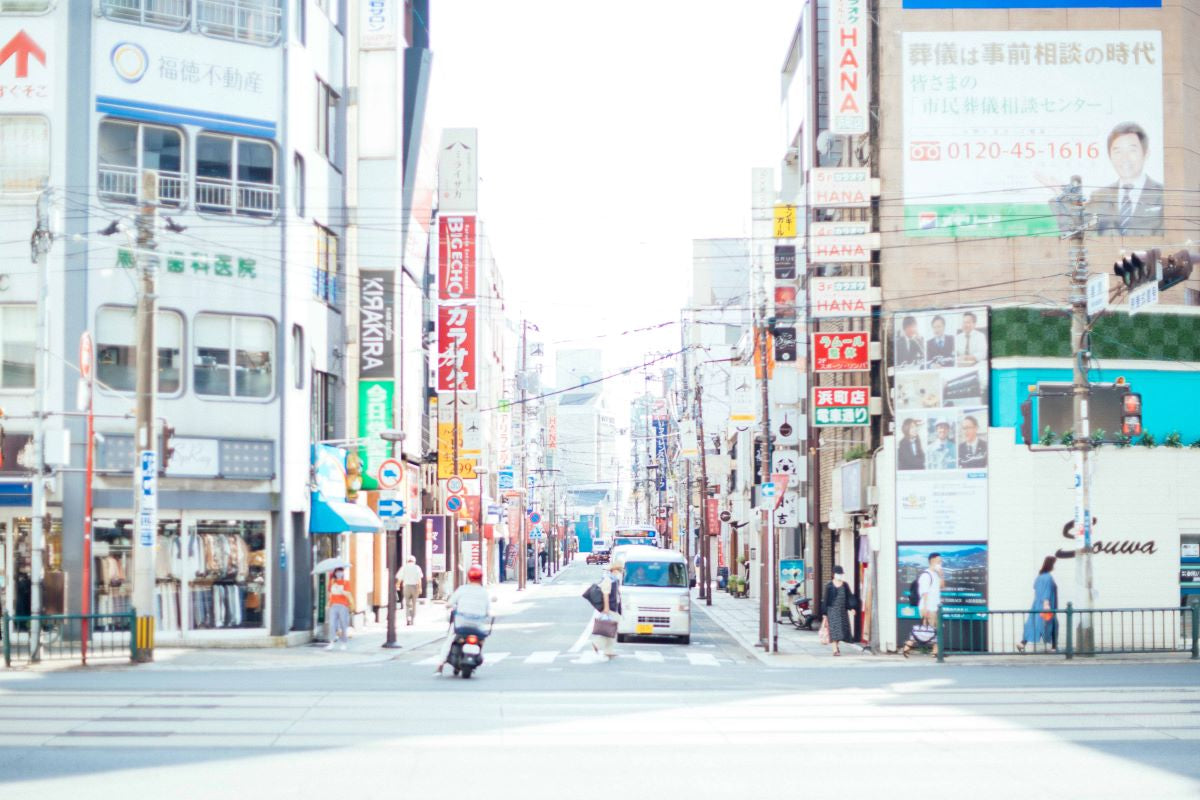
point(605, 597)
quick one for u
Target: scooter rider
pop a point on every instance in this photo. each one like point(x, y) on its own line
point(470, 608)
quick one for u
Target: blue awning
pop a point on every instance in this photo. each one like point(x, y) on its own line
point(341, 517)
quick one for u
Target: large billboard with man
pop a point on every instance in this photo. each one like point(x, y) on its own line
point(997, 122)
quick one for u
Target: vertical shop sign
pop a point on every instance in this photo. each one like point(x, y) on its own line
point(456, 258)
point(456, 348)
point(849, 82)
point(376, 326)
point(376, 404)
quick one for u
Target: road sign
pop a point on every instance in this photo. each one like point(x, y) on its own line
point(148, 486)
point(85, 354)
point(390, 473)
point(454, 485)
point(1143, 296)
point(1097, 293)
point(768, 489)
point(391, 508)
point(535, 517)
point(506, 478)
point(536, 533)
point(726, 516)
point(454, 504)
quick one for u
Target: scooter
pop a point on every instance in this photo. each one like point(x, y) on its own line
point(466, 652)
point(800, 609)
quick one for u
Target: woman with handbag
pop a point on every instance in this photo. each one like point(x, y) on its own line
point(604, 626)
point(838, 601)
point(1042, 624)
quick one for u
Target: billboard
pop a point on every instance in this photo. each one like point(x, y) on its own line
point(376, 324)
point(849, 75)
point(376, 412)
point(964, 597)
point(456, 348)
point(456, 258)
point(841, 352)
point(997, 122)
point(940, 387)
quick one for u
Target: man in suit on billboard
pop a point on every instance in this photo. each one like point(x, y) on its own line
point(910, 347)
point(972, 451)
point(1133, 206)
point(939, 348)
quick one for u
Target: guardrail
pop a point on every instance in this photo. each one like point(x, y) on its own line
point(1065, 631)
point(42, 637)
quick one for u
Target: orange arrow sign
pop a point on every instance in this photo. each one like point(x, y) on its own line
point(22, 46)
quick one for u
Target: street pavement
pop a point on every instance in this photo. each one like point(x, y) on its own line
point(544, 717)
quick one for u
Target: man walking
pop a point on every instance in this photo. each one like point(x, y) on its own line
point(409, 577)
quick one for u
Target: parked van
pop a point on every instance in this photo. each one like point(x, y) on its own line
point(655, 597)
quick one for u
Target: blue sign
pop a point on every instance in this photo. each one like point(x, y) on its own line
point(505, 479)
point(535, 518)
point(454, 503)
point(660, 453)
point(391, 508)
point(536, 533)
point(919, 4)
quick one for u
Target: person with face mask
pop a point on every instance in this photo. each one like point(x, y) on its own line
point(838, 601)
point(339, 609)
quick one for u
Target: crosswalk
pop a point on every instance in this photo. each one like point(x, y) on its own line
point(558, 657)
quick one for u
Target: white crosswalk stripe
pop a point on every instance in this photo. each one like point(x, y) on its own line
point(492, 659)
point(625, 655)
point(431, 661)
point(542, 657)
point(703, 660)
point(648, 656)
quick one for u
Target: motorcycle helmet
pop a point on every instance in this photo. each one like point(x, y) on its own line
point(475, 574)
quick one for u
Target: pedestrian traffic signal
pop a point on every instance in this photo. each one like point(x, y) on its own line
point(354, 475)
point(1140, 266)
point(1131, 415)
point(1178, 268)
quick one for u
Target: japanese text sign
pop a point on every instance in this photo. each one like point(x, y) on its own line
point(456, 348)
point(841, 405)
point(841, 352)
point(456, 258)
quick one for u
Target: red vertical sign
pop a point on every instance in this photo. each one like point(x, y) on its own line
point(456, 258)
point(712, 514)
point(456, 348)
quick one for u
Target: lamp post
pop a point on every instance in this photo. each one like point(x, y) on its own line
point(485, 546)
point(393, 554)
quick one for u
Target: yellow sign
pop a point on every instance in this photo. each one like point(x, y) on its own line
point(466, 466)
point(785, 222)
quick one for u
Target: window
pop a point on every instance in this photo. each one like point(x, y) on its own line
point(17, 324)
point(235, 176)
point(255, 21)
point(23, 6)
point(24, 154)
point(172, 14)
point(233, 356)
point(116, 349)
point(325, 273)
point(327, 102)
point(324, 405)
point(298, 356)
point(298, 185)
point(128, 148)
point(655, 573)
point(230, 583)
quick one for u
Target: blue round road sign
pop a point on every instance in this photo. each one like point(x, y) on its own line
point(535, 518)
point(454, 503)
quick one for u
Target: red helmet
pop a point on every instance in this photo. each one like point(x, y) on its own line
point(475, 574)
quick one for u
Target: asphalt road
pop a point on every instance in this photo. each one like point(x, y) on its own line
point(546, 718)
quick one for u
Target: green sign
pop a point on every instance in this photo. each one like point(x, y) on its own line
point(216, 266)
point(848, 415)
point(376, 404)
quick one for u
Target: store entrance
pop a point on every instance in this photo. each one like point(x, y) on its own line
point(16, 567)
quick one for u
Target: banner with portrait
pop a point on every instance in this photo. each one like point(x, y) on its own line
point(940, 397)
point(997, 122)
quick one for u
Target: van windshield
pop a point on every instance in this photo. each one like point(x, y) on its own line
point(655, 573)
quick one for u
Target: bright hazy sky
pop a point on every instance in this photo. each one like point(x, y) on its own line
point(610, 136)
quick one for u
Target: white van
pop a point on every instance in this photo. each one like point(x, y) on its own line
point(655, 600)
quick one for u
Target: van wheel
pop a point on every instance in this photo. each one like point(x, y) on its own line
point(685, 639)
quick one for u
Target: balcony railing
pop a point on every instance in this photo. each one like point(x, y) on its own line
point(257, 21)
point(171, 14)
point(122, 185)
point(216, 195)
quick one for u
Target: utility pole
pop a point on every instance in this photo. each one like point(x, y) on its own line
point(39, 249)
point(521, 566)
point(764, 552)
point(145, 473)
point(705, 543)
point(1081, 350)
point(452, 534)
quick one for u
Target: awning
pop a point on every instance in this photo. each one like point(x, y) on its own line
point(338, 516)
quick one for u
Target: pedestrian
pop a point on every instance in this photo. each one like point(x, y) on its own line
point(409, 577)
point(607, 619)
point(928, 586)
point(542, 562)
point(339, 609)
point(837, 603)
point(1042, 622)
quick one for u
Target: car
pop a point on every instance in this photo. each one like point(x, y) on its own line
point(655, 596)
point(597, 557)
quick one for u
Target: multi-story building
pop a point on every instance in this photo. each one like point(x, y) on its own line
point(229, 121)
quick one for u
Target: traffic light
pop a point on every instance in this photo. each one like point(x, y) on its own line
point(1131, 415)
point(1178, 268)
point(1140, 266)
point(353, 475)
point(168, 434)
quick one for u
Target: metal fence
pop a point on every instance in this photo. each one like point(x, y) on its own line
point(59, 637)
point(1066, 631)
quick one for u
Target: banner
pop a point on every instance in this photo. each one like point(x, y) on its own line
point(376, 410)
point(997, 122)
point(849, 75)
point(660, 453)
point(940, 395)
point(376, 324)
point(841, 297)
point(456, 348)
point(841, 352)
point(456, 258)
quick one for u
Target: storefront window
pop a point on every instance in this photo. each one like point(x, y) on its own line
point(225, 561)
point(168, 575)
point(112, 569)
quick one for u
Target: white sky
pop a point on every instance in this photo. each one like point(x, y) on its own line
point(610, 136)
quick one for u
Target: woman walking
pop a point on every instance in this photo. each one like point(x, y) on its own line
point(838, 602)
point(604, 626)
point(339, 609)
point(1042, 623)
